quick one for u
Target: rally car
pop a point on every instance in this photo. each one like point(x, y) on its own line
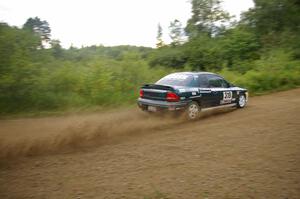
point(191, 92)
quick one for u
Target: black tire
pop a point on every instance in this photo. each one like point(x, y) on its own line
point(193, 111)
point(241, 101)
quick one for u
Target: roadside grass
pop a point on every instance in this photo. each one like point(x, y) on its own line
point(109, 85)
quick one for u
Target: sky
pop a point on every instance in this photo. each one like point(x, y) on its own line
point(106, 22)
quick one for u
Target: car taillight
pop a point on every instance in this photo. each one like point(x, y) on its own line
point(141, 93)
point(172, 97)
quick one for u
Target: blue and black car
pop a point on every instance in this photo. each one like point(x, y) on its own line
point(191, 92)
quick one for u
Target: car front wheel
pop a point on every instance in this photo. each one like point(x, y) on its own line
point(241, 103)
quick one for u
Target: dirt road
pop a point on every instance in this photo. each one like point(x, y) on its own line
point(247, 153)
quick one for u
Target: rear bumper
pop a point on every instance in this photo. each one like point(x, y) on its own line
point(162, 105)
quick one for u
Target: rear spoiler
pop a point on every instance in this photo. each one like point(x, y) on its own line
point(158, 86)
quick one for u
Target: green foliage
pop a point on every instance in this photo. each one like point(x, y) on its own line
point(260, 53)
point(206, 14)
point(203, 53)
point(56, 48)
point(38, 79)
point(168, 56)
point(65, 84)
point(238, 45)
point(39, 28)
point(274, 16)
point(276, 71)
point(176, 32)
point(160, 42)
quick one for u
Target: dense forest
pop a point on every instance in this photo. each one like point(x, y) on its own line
point(261, 52)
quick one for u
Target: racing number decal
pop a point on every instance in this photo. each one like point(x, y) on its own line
point(227, 95)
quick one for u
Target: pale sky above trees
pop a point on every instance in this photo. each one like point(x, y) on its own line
point(107, 22)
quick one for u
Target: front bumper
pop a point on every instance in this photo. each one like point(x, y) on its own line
point(247, 95)
point(161, 105)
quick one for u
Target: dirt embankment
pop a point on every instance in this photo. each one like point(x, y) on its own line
point(248, 153)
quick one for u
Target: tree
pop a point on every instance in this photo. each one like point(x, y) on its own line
point(270, 16)
point(168, 56)
point(39, 27)
point(160, 42)
point(204, 53)
point(207, 16)
point(57, 50)
point(15, 45)
point(176, 32)
point(238, 45)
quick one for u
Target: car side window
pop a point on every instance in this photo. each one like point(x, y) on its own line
point(216, 82)
point(225, 84)
point(194, 81)
point(203, 82)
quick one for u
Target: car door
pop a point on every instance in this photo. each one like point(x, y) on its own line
point(228, 93)
point(220, 90)
point(204, 91)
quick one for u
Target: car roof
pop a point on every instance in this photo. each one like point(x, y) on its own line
point(195, 73)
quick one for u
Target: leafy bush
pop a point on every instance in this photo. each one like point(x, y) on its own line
point(276, 71)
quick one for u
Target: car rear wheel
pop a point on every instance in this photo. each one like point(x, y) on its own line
point(241, 103)
point(193, 111)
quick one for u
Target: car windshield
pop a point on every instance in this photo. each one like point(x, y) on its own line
point(178, 80)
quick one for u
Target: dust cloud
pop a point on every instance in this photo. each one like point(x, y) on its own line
point(30, 137)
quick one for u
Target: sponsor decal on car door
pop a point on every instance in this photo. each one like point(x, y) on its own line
point(222, 95)
point(227, 97)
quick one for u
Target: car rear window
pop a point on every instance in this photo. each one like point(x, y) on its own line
point(179, 80)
